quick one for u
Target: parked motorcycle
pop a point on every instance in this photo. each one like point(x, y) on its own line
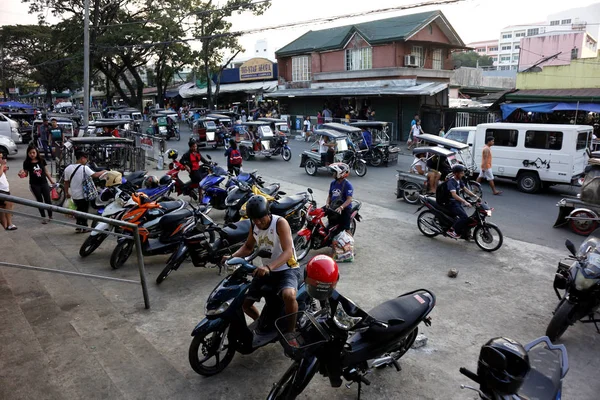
point(239, 195)
point(203, 247)
point(186, 189)
point(224, 331)
point(340, 340)
point(548, 365)
point(160, 226)
point(437, 220)
point(319, 232)
point(580, 279)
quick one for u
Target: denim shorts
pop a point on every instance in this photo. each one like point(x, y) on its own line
point(290, 278)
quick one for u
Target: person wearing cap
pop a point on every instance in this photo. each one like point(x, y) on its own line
point(74, 176)
point(57, 135)
point(44, 137)
point(455, 186)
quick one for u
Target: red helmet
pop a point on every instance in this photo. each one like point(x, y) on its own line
point(322, 276)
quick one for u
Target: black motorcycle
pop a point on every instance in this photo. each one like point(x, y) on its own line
point(204, 247)
point(224, 330)
point(238, 196)
point(338, 341)
point(543, 381)
point(580, 279)
point(437, 220)
point(354, 158)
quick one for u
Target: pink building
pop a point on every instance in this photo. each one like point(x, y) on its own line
point(570, 45)
point(486, 48)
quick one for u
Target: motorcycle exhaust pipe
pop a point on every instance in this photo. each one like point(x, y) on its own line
point(380, 362)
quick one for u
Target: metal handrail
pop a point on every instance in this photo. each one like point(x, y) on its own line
point(76, 214)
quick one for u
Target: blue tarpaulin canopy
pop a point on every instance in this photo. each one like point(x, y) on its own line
point(547, 108)
point(14, 104)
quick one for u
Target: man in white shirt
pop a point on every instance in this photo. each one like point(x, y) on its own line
point(74, 176)
point(306, 129)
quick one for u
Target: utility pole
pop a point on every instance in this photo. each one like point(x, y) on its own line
point(2, 77)
point(86, 64)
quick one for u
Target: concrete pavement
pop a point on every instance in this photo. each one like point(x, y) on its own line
point(70, 338)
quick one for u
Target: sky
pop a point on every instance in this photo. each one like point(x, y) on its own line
point(474, 20)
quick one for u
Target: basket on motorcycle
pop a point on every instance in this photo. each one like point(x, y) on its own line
point(309, 335)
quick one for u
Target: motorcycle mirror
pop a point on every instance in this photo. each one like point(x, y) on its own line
point(309, 190)
point(208, 156)
point(264, 254)
point(571, 247)
point(282, 193)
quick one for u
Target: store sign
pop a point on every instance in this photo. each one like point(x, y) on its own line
point(13, 90)
point(256, 68)
point(146, 143)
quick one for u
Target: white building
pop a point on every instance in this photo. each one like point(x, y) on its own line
point(486, 48)
point(581, 18)
point(509, 44)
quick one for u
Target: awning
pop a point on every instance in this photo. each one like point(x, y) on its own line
point(547, 108)
point(188, 90)
point(420, 89)
point(556, 95)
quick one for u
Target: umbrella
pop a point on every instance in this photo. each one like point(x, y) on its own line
point(14, 104)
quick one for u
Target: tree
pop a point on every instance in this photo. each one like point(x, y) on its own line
point(42, 54)
point(213, 29)
point(472, 59)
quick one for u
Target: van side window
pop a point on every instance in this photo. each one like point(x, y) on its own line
point(543, 140)
point(582, 140)
point(503, 137)
point(459, 136)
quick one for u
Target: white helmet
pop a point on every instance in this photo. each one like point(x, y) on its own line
point(340, 169)
point(113, 178)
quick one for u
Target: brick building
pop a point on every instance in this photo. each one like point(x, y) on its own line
point(396, 66)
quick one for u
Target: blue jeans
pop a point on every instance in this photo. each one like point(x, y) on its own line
point(458, 211)
point(47, 149)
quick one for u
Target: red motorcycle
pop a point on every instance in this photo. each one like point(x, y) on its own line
point(182, 188)
point(322, 227)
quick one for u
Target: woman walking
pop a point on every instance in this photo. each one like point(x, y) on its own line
point(5, 218)
point(34, 166)
point(234, 158)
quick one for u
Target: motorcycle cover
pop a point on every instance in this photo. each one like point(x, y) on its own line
point(590, 190)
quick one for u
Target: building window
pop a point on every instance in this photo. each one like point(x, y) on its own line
point(543, 140)
point(504, 68)
point(520, 34)
point(504, 59)
point(533, 32)
point(516, 58)
point(301, 68)
point(357, 59)
point(494, 59)
point(417, 51)
point(495, 48)
point(506, 35)
point(480, 50)
point(438, 59)
point(554, 23)
point(503, 137)
point(504, 48)
point(514, 67)
point(565, 22)
point(517, 46)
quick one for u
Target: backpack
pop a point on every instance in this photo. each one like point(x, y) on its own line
point(235, 158)
point(442, 194)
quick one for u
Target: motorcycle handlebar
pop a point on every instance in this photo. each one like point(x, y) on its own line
point(469, 374)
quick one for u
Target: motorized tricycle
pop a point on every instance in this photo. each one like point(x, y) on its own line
point(218, 132)
point(311, 159)
point(381, 151)
point(260, 139)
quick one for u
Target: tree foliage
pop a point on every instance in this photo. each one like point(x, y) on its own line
point(472, 59)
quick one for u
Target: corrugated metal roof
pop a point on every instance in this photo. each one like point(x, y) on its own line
point(379, 31)
point(190, 90)
point(591, 94)
point(423, 89)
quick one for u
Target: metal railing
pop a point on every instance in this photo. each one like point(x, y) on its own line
point(78, 214)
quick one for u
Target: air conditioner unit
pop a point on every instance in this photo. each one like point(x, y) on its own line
point(410, 61)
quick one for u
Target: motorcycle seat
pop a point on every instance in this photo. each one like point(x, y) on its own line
point(237, 235)
point(410, 308)
point(286, 203)
point(271, 189)
point(544, 378)
point(432, 200)
point(135, 176)
point(174, 218)
point(355, 205)
point(169, 206)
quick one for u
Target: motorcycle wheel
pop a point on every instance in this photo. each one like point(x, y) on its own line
point(376, 159)
point(172, 265)
point(245, 154)
point(311, 167)
point(60, 189)
point(360, 168)
point(302, 247)
point(91, 244)
point(178, 136)
point(286, 154)
point(284, 389)
point(352, 227)
point(582, 227)
point(484, 237)
point(411, 192)
point(560, 321)
point(121, 253)
point(425, 222)
point(476, 189)
point(210, 345)
point(403, 346)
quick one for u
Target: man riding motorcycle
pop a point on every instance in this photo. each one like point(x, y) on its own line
point(455, 185)
point(340, 195)
point(193, 161)
point(281, 271)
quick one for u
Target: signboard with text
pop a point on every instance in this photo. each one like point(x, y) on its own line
point(256, 68)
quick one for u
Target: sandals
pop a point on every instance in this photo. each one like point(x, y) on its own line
point(11, 227)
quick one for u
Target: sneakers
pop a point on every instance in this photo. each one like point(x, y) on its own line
point(453, 234)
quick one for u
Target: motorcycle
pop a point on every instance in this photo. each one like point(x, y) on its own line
point(543, 382)
point(437, 220)
point(580, 279)
point(160, 226)
point(318, 232)
point(199, 242)
point(188, 188)
point(237, 197)
point(354, 158)
point(215, 192)
point(224, 331)
point(339, 340)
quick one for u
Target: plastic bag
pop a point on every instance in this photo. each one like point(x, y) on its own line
point(54, 194)
point(343, 247)
point(70, 204)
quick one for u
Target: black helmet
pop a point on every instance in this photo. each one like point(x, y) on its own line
point(165, 180)
point(456, 168)
point(172, 154)
point(257, 207)
point(192, 142)
point(502, 366)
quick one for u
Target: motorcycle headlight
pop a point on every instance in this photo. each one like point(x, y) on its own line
point(561, 202)
point(488, 212)
point(583, 283)
point(343, 320)
point(219, 310)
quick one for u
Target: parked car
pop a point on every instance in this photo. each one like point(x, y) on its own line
point(10, 128)
point(8, 147)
